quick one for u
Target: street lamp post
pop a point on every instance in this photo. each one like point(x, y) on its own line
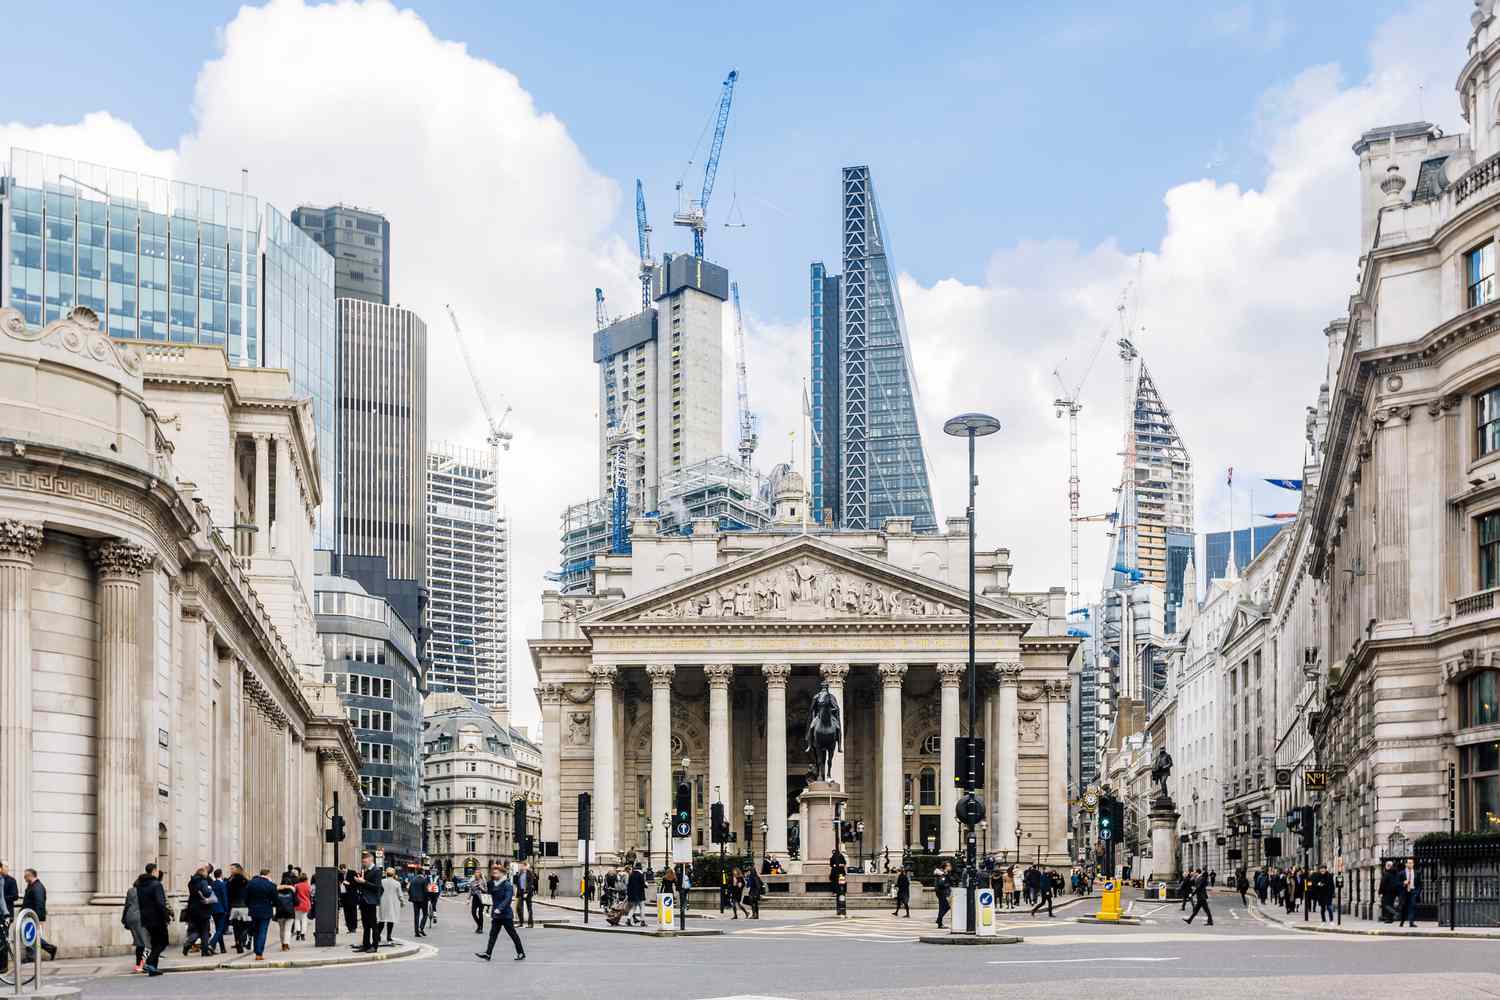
point(749, 832)
point(907, 811)
point(984, 832)
point(859, 831)
point(765, 828)
point(970, 808)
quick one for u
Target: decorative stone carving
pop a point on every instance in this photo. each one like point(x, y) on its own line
point(77, 333)
point(1030, 692)
point(719, 674)
point(891, 674)
point(834, 673)
point(20, 539)
point(776, 674)
point(549, 693)
point(1008, 673)
point(580, 729)
point(1031, 726)
point(573, 610)
point(603, 674)
point(118, 557)
point(951, 674)
point(661, 674)
point(803, 589)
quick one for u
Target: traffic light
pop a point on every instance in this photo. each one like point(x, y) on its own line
point(1307, 830)
point(1106, 818)
point(968, 755)
point(583, 815)
point(682, 811)
point(717, 829)
point(335, 834)
point(520, 826)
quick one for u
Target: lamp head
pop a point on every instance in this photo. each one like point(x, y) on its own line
point(976, 424)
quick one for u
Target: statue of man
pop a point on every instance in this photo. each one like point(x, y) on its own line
point(823, 696)
point(1161, 769)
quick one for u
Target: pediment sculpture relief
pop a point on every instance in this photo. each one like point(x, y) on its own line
point(803, 589)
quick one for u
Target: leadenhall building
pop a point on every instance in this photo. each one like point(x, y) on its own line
point(697, 656)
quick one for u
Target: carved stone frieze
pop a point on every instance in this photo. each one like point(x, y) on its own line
point(580, 729)
point(1008, 673)
point(1030, 725)
point(1029, 692)
point(77, 333)
point(119, 558)
point(603, 674)
point(20, 540)
point(549, 693)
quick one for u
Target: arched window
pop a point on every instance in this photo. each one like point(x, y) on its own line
point(928, 780)
point(1479, 705)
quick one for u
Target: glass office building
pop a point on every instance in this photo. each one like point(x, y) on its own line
point(179, 263)
point(824, 310)
point(1248, 543)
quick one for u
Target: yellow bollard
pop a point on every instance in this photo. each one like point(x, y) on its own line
point(1109, 901)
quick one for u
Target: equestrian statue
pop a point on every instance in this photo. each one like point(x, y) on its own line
point(825, 732)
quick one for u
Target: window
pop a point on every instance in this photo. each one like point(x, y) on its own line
point(1479, 786)
point(1487, 419)
point(1479, 707)
point(1489, 550)
point(928, 785)
point(471, 816)
point(1479, 272)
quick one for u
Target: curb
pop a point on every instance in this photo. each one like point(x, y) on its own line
point(968, 939)
point(568, 925)
point(1440, 935)
point(321, 961)
point(1122, 921)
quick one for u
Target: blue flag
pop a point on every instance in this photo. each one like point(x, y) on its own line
point(1286, 484)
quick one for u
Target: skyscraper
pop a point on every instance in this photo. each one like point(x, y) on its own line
point(824, 490)
point(383, 452)
point(359, 241)
point(468, 571)
point(175, 262)
point(1160, 498)
point(877, 457)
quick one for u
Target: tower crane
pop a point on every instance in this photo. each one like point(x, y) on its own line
point(498, 437)
point(692, 213)
point(643, 239)
point(601, 318)
point(1070, 404)
point(748, 438)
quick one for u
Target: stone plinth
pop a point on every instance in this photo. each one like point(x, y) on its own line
point(1164, 817)
point(821, 802)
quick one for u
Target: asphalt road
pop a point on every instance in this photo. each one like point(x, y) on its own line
point(877, 957)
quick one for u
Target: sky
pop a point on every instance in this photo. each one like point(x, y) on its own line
point(1036, 165)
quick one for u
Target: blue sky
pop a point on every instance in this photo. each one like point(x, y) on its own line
point(986, 125)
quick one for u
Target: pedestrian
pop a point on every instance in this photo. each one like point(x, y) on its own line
point(348, 899)
point(35, 899)
point(239, 913)
point(151, 899)
point(1046, 883)
point(1200, 900)
point(754, 889)
point(200, 909)
point(390, 905)
point(8, 896)
point(525, 891)
point(478, 901)
point(1323, 890)
point(286, 907)
point(1262, 884)
point(635, 894)
point(367, 883)
point(1390, 886)
point(220, 912)
point(434, 893)
point(903, 894)
point(1012, 894)
point(552, 884)
point(501, 915)
point(130, 919)
point(1242, 883)
point(303, 906)
point(416, 895)
point(1409, 894)
point(944, 890)
point(1185, 889)
point(669, 882)
point(737, 893)
point(260, 900)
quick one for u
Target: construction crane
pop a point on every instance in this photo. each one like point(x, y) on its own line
point(748, 438)
point(601, 318)
point(498, 437)
point(692, 213)
point(1070, 403)
point(643, 239)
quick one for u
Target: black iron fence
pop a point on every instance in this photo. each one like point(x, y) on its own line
point(1458, 882)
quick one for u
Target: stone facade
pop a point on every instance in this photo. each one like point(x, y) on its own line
point(707, 648)
point(151, 707)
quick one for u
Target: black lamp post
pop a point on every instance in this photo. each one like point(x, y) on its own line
point(749, 833)
point(970, 808)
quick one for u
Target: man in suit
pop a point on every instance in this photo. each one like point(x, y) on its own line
point(416, 893)
point(1189, 879)
point(260, 900)
point(1409, 894)
point(944, 891)
point(1200, 900)
point(152, 901)
point(525, 890)
point(502, 894)
point(366, 884)
point(903, 894)
point(348, 898)
point(35, 900)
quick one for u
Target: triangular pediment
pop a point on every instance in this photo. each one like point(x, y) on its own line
point(803, 579)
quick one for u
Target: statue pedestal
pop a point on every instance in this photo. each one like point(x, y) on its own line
point(1164, 817)
point(822, 802)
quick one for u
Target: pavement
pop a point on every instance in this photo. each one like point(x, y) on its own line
point(1358, 925)
point(876, 957)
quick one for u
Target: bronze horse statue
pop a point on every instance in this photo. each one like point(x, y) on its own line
point(824, 733)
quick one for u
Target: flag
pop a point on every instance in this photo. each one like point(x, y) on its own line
point(1286, 484)
point(1290, 516)
point(1231, 477)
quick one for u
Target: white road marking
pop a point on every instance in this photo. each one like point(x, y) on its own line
point(1066, 961)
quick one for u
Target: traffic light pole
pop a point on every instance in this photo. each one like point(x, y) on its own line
point(337, 826)
point(971, 923)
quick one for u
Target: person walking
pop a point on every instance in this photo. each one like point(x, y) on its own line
point(151, 900)
point(200, 908)
point(1242, 883)
point(220, 914)
point(239, 913)
point(286, 907)
point(1389, 887)
point(635, 894)
point(525, 890)
point(903, 894)
point(502, 893)
point(390, 906)
point(1012, 894)
point(348, 899)
point(737, 893)
point(434, 893)
point(416, 894)
point(303, 906)
point(1045, 885)
point(130, 919)
point(478, 901)
point(1409, 894)
point(35, 899)
point(1262, 884)
point(1200, 900)
point(367, 882)
point(754, 889)
point(260, 901)
point(944, 891)
point(1189, 879)
point(552, 884)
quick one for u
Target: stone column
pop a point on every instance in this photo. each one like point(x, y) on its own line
point(329, 768)
point(661, 753)
point(286, 489)
point(1057, 768)
point(891, 675)
point(950, 675)
point(1007, 772)
point(120, 757)
point(550, 695)
point(776, 675)
point(20, 541)
point(262, 495)
point(834, 674)
point(605, 797)
point(719, 677)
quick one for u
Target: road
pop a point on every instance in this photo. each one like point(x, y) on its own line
point(878, 957)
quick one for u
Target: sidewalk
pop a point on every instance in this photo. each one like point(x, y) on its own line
point(303, 955)
point(1370, 928)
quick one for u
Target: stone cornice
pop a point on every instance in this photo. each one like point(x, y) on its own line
point(1050, 643)
point(776, 626)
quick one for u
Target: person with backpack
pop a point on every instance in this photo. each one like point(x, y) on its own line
point(286, 907)
point(130, 919)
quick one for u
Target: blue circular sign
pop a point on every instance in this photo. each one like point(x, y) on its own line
point(28, 929)
point(986, 897)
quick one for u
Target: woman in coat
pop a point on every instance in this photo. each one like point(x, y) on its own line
point(302, 907)
point(390, 904)
point(1010, 888)
point(131, 921)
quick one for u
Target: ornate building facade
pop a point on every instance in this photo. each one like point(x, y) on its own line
point(697, 656)
point(151, 706)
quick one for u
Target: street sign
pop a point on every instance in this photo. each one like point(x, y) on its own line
point(666, 911)
point(1315, 781)
point(1284, 777)
point(682, 851)
point(1106, 833)
point(1267, 821)
point(985, 907)
point(27, 928)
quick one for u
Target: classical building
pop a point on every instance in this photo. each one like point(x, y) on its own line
point(696, 656)
point(152, 706)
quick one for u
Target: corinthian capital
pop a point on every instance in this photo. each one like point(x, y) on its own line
point(661, 674)
point(1008, 672)
point(891, 674)
point(603, 674)
point(950, 674)
point(719, 674)
point(119, 558)
point(776, 674)
point(20, 540)
point(834, 673)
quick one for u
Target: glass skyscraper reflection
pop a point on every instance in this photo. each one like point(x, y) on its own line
point(180, 263)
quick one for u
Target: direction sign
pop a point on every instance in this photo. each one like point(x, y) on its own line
point(28, 929)
point(1106, 833)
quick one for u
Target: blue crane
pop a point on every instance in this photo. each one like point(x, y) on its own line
point(692, 214)
point(643, 238)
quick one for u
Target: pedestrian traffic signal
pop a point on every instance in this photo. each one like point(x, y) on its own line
point(682, 811)
point(1307, 830)
point(1106, 818)
point(519, 828)
point(717, 830)
point(335, 834)
point(968, 762)
point(583, 815)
